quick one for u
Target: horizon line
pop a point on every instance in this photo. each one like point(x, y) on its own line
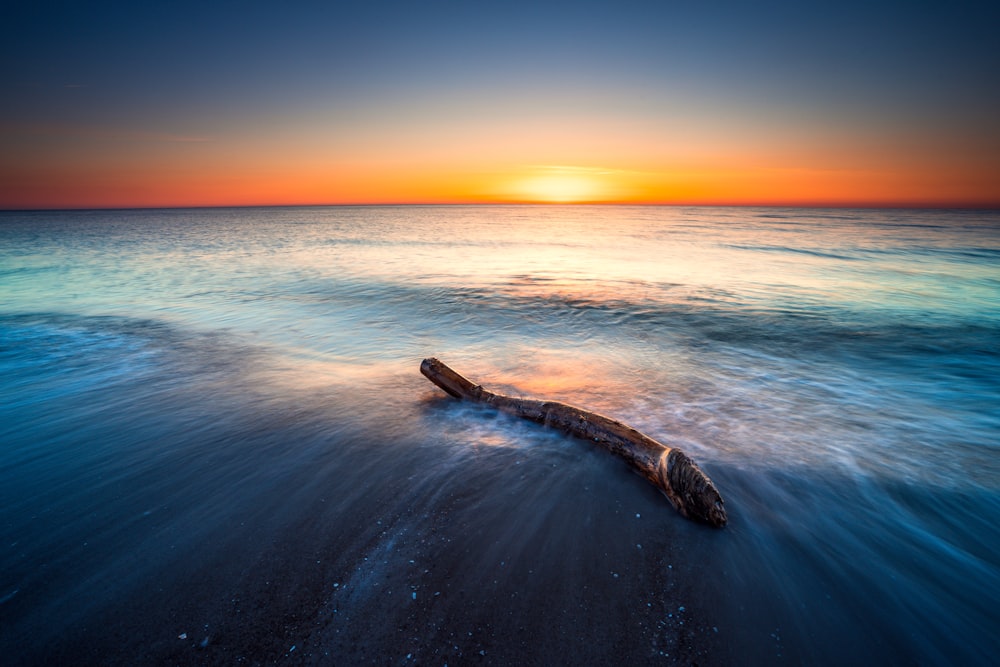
point(986, 206)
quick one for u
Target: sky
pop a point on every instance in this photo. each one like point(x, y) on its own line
point(113, 104)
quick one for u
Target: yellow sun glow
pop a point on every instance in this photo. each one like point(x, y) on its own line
point(561, 188)
point(563, 185)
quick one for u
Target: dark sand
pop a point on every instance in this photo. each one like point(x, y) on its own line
point(318, 529)
point(382, 553)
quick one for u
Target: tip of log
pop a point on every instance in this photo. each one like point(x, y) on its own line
point(690, 490)
point(448, 380)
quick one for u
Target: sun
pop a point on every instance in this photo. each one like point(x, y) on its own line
point(562, 185)
point(561, 189)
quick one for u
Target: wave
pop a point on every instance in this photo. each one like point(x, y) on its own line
point(629, 310)
point(961, 253)
point(789, 249)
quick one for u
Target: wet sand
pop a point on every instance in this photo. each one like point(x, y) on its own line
point(551, 555)
point(449, 534)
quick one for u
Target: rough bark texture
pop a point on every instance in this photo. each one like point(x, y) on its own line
point(685, 485)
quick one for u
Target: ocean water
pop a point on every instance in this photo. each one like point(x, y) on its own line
point(216, 446)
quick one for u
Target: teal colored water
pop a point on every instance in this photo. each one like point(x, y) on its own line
point(215, 443)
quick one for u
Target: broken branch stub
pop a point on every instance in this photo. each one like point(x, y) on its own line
point(685, 484)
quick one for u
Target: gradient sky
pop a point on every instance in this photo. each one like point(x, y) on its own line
point(108, 104)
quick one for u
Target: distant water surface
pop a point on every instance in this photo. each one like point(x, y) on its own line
point(216, 447)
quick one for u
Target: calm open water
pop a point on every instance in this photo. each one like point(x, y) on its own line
point(216, 447)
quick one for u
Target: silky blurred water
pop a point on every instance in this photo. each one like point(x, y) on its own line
point(216, 447)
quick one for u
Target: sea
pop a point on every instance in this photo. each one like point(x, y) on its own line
point(216, 447)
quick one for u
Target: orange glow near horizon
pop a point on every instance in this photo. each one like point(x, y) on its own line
point(102, 170)
point(166, 186)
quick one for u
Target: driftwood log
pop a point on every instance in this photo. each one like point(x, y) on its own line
point(669, 469)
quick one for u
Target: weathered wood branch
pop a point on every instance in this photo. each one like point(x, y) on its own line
point(685, 485)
